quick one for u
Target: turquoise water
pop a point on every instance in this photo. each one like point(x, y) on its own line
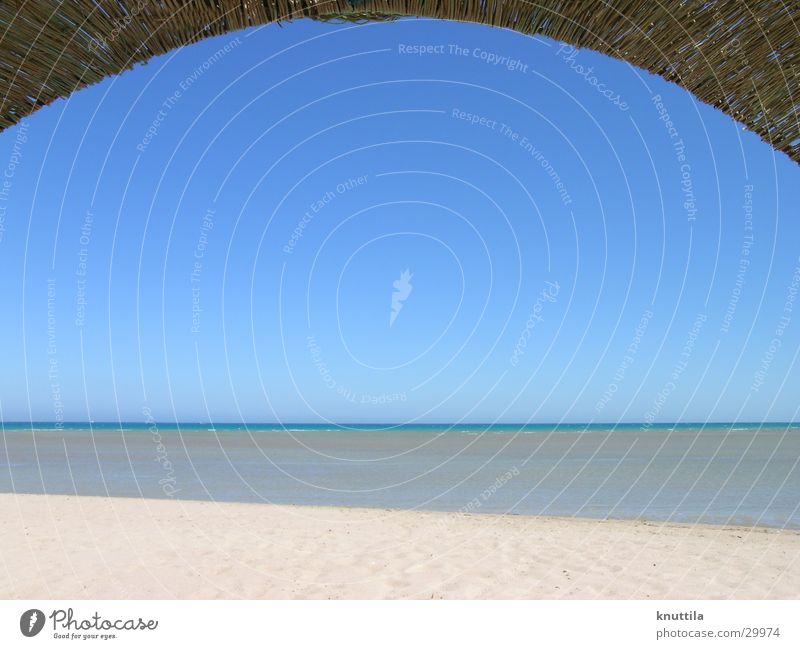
point(745, 474)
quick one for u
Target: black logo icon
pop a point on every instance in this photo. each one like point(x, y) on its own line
point(31, 622)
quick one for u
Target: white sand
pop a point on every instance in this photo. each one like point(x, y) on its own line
point(108, 548)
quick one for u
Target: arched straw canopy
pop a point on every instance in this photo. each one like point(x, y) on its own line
point(739, 56)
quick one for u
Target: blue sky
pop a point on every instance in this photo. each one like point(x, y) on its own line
point(217, 234)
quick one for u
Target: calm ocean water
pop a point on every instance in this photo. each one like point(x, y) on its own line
point(742, 474)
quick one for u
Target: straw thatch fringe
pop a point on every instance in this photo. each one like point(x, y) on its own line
point(739, 56)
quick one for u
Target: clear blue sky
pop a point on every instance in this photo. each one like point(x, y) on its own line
point(538, 239)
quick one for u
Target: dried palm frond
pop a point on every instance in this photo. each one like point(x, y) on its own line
point(741, 57)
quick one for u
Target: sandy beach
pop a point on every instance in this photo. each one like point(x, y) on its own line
point(111, 548)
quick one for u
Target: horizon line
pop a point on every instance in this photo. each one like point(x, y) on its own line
point(395, 424)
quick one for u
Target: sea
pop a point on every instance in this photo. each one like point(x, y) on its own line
point(737, 474)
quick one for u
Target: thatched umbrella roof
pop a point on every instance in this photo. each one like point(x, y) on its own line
point(739, 56)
